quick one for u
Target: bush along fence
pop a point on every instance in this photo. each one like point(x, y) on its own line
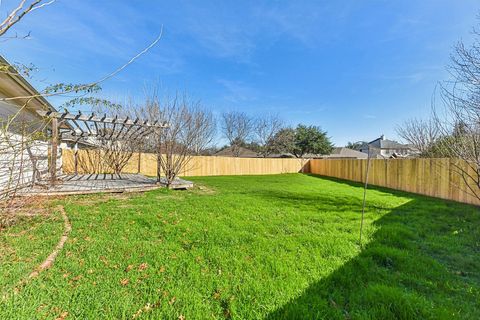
point(440, 178)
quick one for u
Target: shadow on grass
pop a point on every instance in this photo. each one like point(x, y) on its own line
point(422, 263)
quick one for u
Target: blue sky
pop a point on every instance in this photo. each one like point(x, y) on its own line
point(355, 68)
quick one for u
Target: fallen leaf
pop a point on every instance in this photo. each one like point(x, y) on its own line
point(62, 316)
point(104, 260)
point(129, 267)
point(137, 314)
point(124, 282)
point(143, 266)
point(172, 301)
point(41, 307)
point(181, 317)
point(162, 269)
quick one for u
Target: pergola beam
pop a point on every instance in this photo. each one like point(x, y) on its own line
point(104, 119)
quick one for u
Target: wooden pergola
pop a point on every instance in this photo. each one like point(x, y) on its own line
point(79, 126)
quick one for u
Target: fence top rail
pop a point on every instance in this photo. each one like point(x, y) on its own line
point(385, 159)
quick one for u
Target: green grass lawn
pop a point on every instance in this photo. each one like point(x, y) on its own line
point(251, 247)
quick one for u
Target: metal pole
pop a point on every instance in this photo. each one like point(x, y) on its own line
point(159, 154)
point(364, 196)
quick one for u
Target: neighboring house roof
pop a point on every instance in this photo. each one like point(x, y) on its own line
point(342, 152)
point(382, 143)
point(390, 144)
point(244, 152)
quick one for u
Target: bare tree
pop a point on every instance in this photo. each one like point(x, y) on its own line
point(92, 161)
point(190, 129)
point(205, 123)
point(266, 129)
point(116, 143)
point(23, 8)
point(284, 141)
point(237, 129)
point(421, 134)
point(453, 131)
point(461, 116)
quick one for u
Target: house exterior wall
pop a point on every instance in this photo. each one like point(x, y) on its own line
point(22, 159)
point(21, 164)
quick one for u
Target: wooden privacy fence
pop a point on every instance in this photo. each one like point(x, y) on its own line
point(433, 177)
point(90, 161)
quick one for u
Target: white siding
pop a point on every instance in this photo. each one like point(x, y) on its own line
point(18, 159)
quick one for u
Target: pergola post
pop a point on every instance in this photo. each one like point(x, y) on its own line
point(75, 153)
point(54, 151)
point(139, 169)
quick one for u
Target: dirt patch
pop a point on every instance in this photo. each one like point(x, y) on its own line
point(201, 189)
point(17, 210)
point(88, 200)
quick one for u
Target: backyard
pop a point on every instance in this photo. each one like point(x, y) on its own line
point(246, 247)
